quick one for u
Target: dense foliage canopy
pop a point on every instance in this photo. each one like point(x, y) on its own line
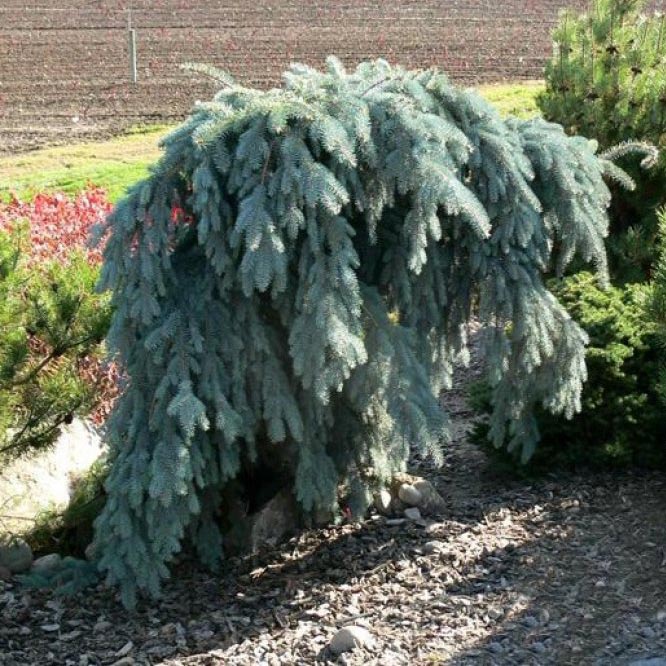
point(292, 285)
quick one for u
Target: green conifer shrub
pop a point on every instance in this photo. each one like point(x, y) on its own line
point(607, 80)
point(622, 419)
point(51, 321)
point(303, 313)
point(657, 305)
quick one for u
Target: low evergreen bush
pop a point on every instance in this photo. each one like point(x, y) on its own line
point(291, 286)
point(607, 80)
point(52, 323)
point(622, 420)
point(657, 306)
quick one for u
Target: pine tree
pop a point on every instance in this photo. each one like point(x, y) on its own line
point(607, 80)
point(292, 284)
point(51, 323)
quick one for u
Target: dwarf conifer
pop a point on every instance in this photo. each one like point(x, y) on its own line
point(291, 288)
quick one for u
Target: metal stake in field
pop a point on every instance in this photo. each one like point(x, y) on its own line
point(132, 47)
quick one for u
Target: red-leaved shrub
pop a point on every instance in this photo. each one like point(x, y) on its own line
point(58, 225)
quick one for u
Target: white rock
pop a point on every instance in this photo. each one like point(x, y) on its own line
point(44, 481)
point(383, 501)
point(348, 638)
point(410, 495)
point(125, 649)
point(431, 547)
point(413, 513)
point(15, 555)
point(46, 563)
point(50, 628)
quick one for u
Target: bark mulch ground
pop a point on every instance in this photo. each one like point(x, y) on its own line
point(559, 571)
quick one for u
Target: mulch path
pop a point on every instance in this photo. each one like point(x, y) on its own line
point(559, 571)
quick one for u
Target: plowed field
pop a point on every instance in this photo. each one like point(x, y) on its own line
point(64, 70)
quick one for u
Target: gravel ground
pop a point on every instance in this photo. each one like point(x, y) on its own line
point(560, 571)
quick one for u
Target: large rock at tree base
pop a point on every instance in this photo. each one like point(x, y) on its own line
point(281, 516)
point(408, 494)
point(46, 563)
point(44, 481)
point(430, 502)
point(15, 555)
point(278, 518)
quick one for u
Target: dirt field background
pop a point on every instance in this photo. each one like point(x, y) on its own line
point(64, 67)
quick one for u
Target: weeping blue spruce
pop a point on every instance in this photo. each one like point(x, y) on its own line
point(292, 285)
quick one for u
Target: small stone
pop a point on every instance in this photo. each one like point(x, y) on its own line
point(539, 647)
point(410, 495)
point(50, 628)
point(203, 635)
point(413, 513)
point(431, 547)
point(661, 616)
point(15, 555)
point(102, 626)
point(46, 563)
point(348, 638)
point(172, 630)
point(125, 649)
point(71, 636)
point(648, 632)
point(383, 501)
point(495, 647)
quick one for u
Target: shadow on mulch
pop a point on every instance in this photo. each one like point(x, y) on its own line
point(547, 573)
point(584, 576)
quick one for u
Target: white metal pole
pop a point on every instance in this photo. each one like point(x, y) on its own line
point(132, 54)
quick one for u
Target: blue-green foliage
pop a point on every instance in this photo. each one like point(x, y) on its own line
point(68, 577)
point(344, 228)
